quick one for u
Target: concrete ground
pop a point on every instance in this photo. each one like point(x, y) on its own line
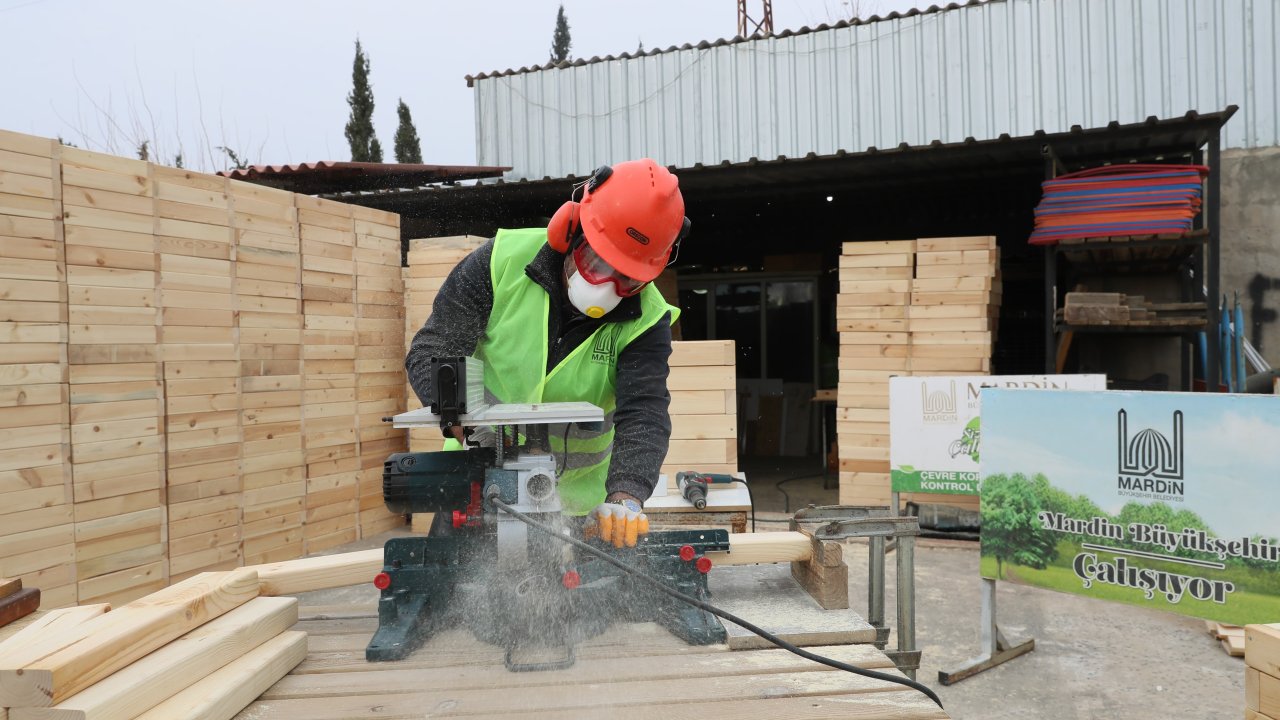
point(1093, 660)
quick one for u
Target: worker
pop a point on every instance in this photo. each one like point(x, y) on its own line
point(569, 313)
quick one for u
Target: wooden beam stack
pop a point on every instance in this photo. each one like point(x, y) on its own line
point(906, 307)
point(36, 514)
point(430, 260)
point(116, 374)
point(955, 300)
point(1262, 672)
point(201, 369)
point(330, 442)
point(205, 647)
point(704, 408)
point(268, 289)
point(380, 311)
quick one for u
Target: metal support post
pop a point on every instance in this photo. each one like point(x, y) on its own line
point(995, 649)
point(1213, 271)
point(907, 597)
point(875, 590)
point(878, 525)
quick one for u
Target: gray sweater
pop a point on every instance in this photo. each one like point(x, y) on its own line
point(642, 423)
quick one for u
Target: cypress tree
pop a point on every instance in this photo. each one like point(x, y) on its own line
point(560, 41)
point(408, 149)
point(360, 135)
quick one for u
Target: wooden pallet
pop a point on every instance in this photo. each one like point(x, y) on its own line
point(635, 671)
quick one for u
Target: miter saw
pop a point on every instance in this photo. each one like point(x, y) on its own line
point(492, 560)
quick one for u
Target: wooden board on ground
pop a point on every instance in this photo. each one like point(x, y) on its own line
point(768, 596)
point(656, 670)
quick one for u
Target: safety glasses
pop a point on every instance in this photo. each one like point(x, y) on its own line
point(596, 271)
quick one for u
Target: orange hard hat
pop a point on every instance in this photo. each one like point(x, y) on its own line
point(631, 213)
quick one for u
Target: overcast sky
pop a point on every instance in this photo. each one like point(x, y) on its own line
point(269, 78)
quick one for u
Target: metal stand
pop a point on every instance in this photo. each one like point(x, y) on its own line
point(995, 649)
point(877, 524)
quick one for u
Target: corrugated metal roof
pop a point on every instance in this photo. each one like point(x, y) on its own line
point(804, 30)
point(1015, 67)
point(904, 166)
point(330, 177)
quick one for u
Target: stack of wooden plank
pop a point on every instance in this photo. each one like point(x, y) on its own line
point(430, 260)
point(1231, 637)
point(151, 377)
point(199, 346)
point(116, 371)
point(704, 408)
point(268, 288)
point(906, 307)
point(1111, 308)
point(1262, 672)
point(871, 317)
point(36, 518)
point(380, 311)
point(205, 647)
point(955, 302)
point(330, 441)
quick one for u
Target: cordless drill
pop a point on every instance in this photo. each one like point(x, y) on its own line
point(693, 485)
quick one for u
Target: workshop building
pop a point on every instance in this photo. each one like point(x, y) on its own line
point(936, 123)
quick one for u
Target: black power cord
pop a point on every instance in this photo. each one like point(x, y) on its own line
point(713, 609)
point(751, 499)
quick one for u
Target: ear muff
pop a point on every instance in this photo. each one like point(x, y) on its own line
point(563, 226)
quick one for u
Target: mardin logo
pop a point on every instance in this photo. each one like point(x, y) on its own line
point(1149, 464)
point(604, 348)
point(638, 236)
point(939, 404)
point(1148, 453)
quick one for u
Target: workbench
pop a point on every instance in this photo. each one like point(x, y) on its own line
point(631, 671)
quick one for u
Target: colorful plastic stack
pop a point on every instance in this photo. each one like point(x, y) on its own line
point(1119, 200)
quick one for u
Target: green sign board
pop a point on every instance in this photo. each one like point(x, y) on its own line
point(1164, 500)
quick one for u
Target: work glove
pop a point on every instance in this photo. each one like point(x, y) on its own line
point(617, 523)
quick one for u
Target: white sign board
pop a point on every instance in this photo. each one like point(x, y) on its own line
point(935, 433)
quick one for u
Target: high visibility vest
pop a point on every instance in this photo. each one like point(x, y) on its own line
point(514, 350)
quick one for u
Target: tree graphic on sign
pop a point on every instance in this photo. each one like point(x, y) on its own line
point(1011, 530)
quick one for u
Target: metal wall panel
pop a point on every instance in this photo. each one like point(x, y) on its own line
point(1013, 67)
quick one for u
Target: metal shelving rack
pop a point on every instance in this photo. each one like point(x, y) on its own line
point(1194, 257)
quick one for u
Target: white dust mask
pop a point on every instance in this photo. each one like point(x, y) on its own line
point(594, 301)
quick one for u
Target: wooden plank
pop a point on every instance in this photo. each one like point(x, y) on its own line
point(24, 144)
point(10, 586)
point(45, 674)
point(392, 679)
point(48, 624)
point(632, 699)
point(878, 247)
point(178, 665)
point(934, 277)
point(222, 694)
point(952, 244)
